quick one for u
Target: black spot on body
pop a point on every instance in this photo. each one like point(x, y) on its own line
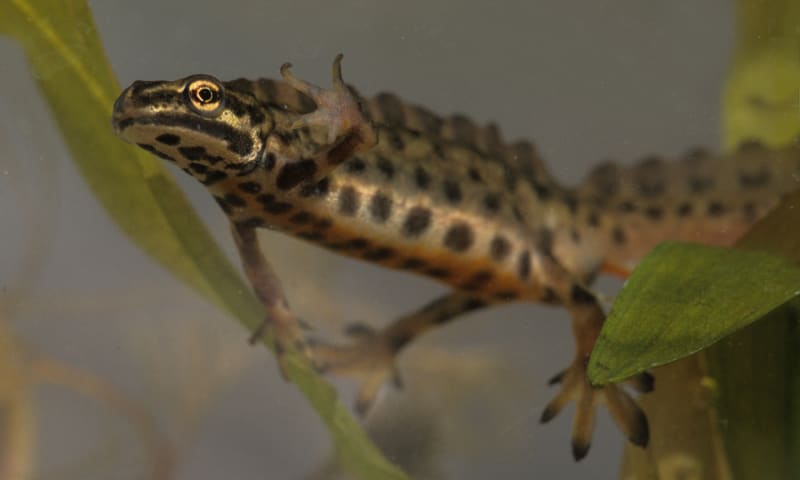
point(213, 177)
point(438, 272)
point(222, 204)
point(491, 202)
point(438, 149)
point(684, 209)
point(196, 167)
point(550, 296)
point(700, 184)
point(755, 179)
point(396, 141)
point(518, 214)
point(654, 212)
point(356, 165)
point(234, 200)
point(544, 241)
point(323, 223)
point(295, 172)
point(250, 187)
point(272, 205)
point(417, 221)
point(618, 235)
point(319, 189)
point(478, 280)
point(506, 295)
point(358, 243)
point(715, 209)
point(269, 161)
point(571, 201)
point(386, 167)
point(452, 191)
point(380, 207)
point(413, 263)
point(301, 218)
point(524, 265)
point(348, 201)
point(651, 186)
point(158, 153)
point(168, 139)
point(626, 206)
point(422, 178)
point(379, 254)
point(192, 153)
point(543, 192)
point(593, 219)
point(499, 248)
point(474, 175)
point(459, 237)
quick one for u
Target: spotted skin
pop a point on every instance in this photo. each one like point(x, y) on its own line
point(394, 184)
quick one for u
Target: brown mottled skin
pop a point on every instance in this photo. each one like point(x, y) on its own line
point(394, 184)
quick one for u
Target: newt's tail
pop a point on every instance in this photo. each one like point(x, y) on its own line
point(705, 198)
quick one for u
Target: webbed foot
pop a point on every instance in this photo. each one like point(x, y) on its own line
point(624, 410)
point(369, 359)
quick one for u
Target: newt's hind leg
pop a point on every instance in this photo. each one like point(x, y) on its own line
point(587, 320)
point(279, 321)
point(370, 359)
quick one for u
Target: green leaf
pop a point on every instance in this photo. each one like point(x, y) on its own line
point(679, 300)
point(70, 68)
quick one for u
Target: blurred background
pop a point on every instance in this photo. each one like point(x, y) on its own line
point(136, 369)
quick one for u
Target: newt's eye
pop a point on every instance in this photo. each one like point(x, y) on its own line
point(204, 95)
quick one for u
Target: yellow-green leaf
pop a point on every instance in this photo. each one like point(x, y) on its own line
point(70, 68)
point(679, 301)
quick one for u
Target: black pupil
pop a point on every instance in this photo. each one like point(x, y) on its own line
point(205, 94)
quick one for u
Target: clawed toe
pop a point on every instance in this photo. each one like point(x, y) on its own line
point(284, 337)
point(643, 382)
point(624, 410)
point(370, 360)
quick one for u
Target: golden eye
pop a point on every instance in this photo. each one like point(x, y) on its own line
point(204, 96)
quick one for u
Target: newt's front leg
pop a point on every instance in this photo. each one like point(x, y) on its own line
point(308, 147)
point(279, 321)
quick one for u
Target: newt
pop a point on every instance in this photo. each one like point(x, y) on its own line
point(394, 184)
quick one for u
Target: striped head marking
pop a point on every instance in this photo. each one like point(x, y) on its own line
point(204, 125)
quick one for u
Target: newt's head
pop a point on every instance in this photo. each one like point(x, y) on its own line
point(198, 122)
